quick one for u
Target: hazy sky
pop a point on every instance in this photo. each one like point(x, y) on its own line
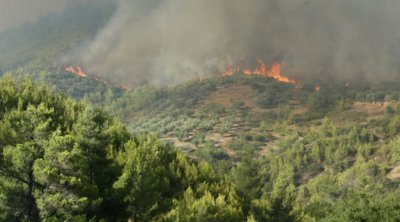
point(17, 12)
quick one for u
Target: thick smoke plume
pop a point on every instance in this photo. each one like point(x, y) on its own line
point(167, 41)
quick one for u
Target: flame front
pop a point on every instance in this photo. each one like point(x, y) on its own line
point(77, 71)
point(80, 72)
point(274, 72)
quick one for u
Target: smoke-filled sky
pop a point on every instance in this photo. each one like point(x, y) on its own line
point(167, 41)
point(14, 13)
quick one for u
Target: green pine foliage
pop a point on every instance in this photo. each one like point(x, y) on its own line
point(67, 160)
point(63, 160)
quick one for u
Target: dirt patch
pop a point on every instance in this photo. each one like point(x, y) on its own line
point(179, 144)
point(371, 109)
point(229, 94)
point(360, 112)
point(394, 174)
point(221, 142)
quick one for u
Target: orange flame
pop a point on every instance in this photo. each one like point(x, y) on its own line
point(229, 71)
point(274, 72)
point(317, 88)
point(80, 72)
point(77, 71)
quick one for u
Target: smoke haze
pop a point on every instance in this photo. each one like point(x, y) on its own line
point(14, 13)
point(167, 41)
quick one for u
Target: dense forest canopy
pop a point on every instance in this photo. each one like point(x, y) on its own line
point(63, 159)
point(67, 160)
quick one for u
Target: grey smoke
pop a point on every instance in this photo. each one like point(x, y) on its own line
point(14, 13)
point(167, 41)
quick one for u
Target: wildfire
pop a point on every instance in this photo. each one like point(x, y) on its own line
point(273, 72)
point(317, 88)
point(77, 71)
point(80, 72)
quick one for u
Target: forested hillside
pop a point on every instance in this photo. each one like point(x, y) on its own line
point(64, 160)
point(69, 160)
point(337, 145)
point(243, 145)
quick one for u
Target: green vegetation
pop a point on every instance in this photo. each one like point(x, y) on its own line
point(238, 148)
point(67, 160)
point(63, 159)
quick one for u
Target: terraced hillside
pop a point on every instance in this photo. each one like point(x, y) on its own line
point(223, 112)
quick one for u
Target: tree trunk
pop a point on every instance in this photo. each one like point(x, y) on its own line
point(31, 213)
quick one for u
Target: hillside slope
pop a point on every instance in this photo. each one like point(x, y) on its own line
point(36, 49)
point(240, 106)
point(339, 140)
point(237, 147)
point(300, 156)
